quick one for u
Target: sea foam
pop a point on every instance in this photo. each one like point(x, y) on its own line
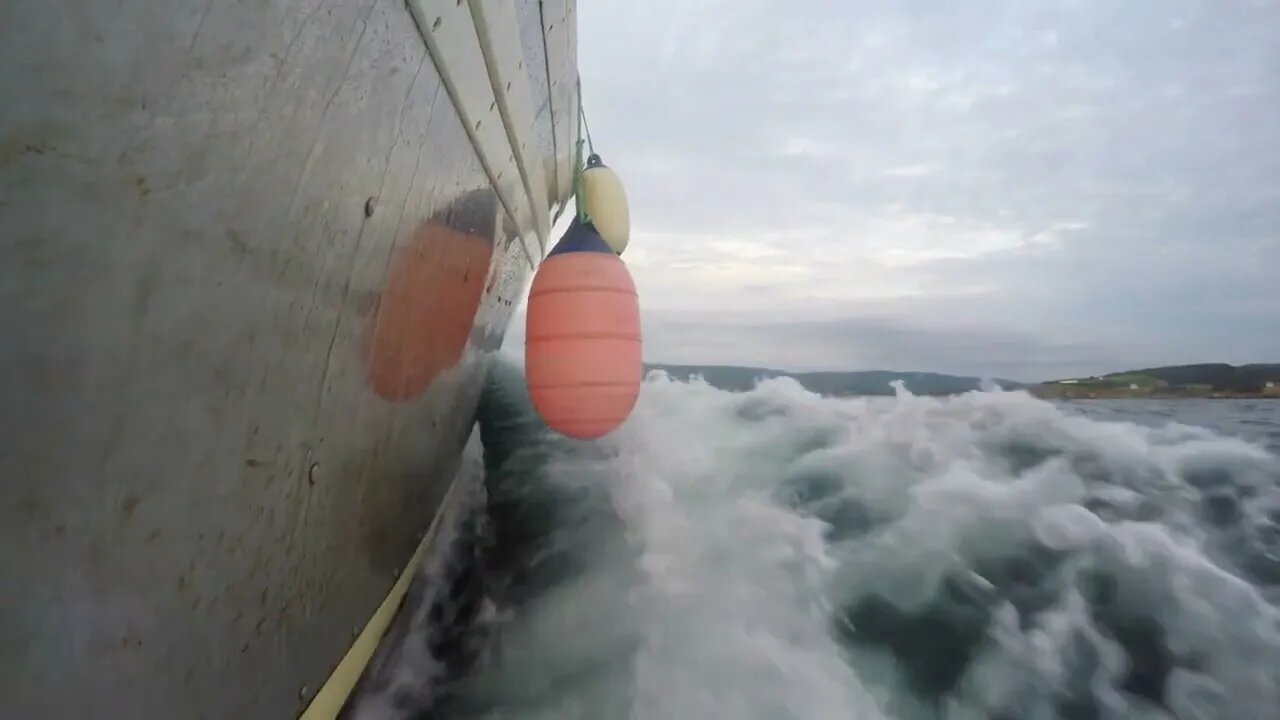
point(774, 554)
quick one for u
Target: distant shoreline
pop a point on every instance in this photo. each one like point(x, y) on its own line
point(1051, 392)
point(1207, 381)
point(1174, 382)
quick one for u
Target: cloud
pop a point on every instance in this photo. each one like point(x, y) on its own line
point(875, 342)
point(913, 171)
point(1028, 188)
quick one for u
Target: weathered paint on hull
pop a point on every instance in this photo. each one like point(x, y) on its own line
point(254, 261)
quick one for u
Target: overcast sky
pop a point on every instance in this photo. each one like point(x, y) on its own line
point(1020, 189)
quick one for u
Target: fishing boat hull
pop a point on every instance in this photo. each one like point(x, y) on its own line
point(256, 260)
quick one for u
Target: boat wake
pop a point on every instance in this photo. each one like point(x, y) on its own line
point(774, 554)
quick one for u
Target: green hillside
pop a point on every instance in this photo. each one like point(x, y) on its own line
point(1200, 380)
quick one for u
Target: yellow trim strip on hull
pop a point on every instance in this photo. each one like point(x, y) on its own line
point(333, 695)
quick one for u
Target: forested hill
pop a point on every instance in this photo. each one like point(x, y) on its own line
point(1202, 380)
point(865, 382)
point(1219, 376)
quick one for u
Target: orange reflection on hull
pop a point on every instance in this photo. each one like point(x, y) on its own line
point(434, 287)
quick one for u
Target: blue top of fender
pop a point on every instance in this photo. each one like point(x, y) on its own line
point(581, 237)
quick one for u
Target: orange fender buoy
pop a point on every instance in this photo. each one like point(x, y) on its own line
point(582, 359)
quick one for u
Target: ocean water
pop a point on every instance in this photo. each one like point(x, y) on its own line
point(774, 554)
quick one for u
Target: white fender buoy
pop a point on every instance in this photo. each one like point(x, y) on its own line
point(605, 203)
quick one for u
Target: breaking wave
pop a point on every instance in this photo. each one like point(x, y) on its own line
point(775, 554)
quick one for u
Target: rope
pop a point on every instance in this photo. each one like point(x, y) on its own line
point(582, 114)
point(579, 201)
